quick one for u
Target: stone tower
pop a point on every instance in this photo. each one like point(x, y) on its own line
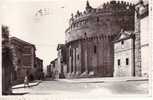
point(89, 38)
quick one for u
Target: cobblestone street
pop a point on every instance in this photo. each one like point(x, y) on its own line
point(89, 89)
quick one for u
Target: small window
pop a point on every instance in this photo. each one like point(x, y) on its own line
point(107, 19)
point(127, 61)
point(95, 49)
point(78, 57)
point(118, 61)
point(97, 19)
point(122, 42)
point(19, 61)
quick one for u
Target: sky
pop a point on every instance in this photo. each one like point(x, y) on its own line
point(45, 28)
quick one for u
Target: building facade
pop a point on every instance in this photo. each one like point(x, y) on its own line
point(111, 40)
point(7, 64)
point(89, 46)
point(54, 69)
point(23, 59)
point(38, 69)
point(124, 50)
point(133, 58)
point(61, 60)
point(48, 71)
point(143, 38)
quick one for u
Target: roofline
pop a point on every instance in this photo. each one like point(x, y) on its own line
point(131, 36)
point(24, 42)
point(59, 46)
point(53, 60)
point(39, 58)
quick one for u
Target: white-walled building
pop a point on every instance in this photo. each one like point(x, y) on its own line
point(132, 52)
point(124, 55)
point(145, 39)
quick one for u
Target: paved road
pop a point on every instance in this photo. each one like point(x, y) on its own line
point(61, 88)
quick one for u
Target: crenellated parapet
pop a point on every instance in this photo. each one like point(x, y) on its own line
point(109, 8)
point(109, 19)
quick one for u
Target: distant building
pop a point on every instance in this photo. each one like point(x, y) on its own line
point(38, 73)
point(54, 69)
point(23, 59)
point(124, 57)
point(52, 64)
point(49, 74)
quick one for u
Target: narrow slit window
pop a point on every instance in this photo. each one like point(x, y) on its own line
point(122, 42)
point(119, 62)
point(78, 57)
point(127, 61)
point(95, 49)
point(97, 19)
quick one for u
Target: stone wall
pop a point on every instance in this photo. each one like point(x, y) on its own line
point(90, 57)
point(23, 58)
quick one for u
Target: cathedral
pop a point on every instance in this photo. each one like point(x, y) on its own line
point(91, 38)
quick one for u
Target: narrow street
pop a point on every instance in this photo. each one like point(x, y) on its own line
point(62, 88)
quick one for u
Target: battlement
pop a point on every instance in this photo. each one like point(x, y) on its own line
point(108, 18)
point(117, 4)
point(112, 6)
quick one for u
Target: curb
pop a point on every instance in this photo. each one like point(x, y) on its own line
point(29, 85)
point(103, 81)
point(138, 80)
point(89, 82)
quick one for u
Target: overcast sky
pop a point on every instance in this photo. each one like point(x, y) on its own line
point(45, 31)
